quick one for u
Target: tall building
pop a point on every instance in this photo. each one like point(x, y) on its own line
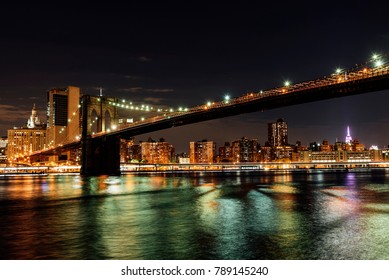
point(244, 150)
point(225, 152)
point(63, 115)
point(349, 139)
point(157, 152)
point(27, 139)
point(3, 149)
point(278, 133)
point(202, 151)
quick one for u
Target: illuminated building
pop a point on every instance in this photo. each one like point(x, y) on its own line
point(63, 116)
point(348, 136)
point(25, 140)
point(156, 152)
point(3, 149)
point(326, 147)
point(244, 150)
point(278, 133)
point(202, 151)
point(356, 146)
point(225, 153)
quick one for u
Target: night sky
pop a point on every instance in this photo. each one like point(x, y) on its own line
point(186, 53)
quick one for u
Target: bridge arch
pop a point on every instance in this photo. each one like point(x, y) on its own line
point(94, 123)
point(107, 120)
point(102, 114)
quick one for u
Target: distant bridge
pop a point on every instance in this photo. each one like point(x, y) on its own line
point(100, 151)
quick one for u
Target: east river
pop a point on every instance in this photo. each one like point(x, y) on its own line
point(254, 215)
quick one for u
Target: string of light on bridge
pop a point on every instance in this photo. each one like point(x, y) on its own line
point(376, 65)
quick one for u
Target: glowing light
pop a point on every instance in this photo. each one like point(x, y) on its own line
point(227, 98)
point(209, 103)
point(378, 63)
point(142, 118)
point(338, 70)
point(113, 127)
point(375, 56)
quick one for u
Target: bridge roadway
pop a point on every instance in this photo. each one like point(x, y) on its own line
point(351, 82)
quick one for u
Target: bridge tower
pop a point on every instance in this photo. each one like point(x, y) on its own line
point(99, 156)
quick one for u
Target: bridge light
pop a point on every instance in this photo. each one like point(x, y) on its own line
point(142, 118)
point(171, 110)
point(114, 127)
point(123, 100)
point(338, 70)
point(378, 63)
point(209, 103)
point(227, 98)
point(180, 109)
point(374, 56)
point(287, 83)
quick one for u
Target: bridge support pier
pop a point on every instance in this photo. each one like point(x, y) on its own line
point(100, 156)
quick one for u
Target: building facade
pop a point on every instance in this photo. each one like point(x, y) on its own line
point(278, 133)
point(202, 151)
point(63, 116)
point(27, 139)
point(157, 152)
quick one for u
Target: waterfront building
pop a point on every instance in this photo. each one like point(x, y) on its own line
point(63, 115)
point(326, 147)
point(27, 139)
point(157, 152)
point(265, 154)
point(225, 153)
point(202, 151)
point(134, 152)
point(356, 146)
point(244, 150)
point(3, 149)
point(278, 133)
point(282, 153)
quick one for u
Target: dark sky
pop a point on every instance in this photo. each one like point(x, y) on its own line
point(185, 53)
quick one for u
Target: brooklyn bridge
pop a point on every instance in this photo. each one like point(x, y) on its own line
point(96, 126)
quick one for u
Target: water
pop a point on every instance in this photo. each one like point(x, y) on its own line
point(258, 215)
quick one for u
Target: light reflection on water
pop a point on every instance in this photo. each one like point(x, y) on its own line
point(265, 215)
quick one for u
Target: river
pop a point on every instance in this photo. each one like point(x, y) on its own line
point(238, 215)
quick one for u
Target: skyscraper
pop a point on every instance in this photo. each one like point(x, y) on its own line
point(278, 133)
point(349, 139)
point(63, 113)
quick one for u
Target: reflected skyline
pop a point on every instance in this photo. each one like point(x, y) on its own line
point(267, 215)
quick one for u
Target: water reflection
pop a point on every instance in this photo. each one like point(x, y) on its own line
point(198, 216)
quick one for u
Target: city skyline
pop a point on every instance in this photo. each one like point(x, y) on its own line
point(149, 53)
point(183, 147)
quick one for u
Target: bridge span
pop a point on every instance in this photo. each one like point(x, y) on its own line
point(100, 151)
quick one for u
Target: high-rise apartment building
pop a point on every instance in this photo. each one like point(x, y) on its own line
point(202, 151)
point(157, 152)
point(278, 133)
point(63, 115)
point(244, 150)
